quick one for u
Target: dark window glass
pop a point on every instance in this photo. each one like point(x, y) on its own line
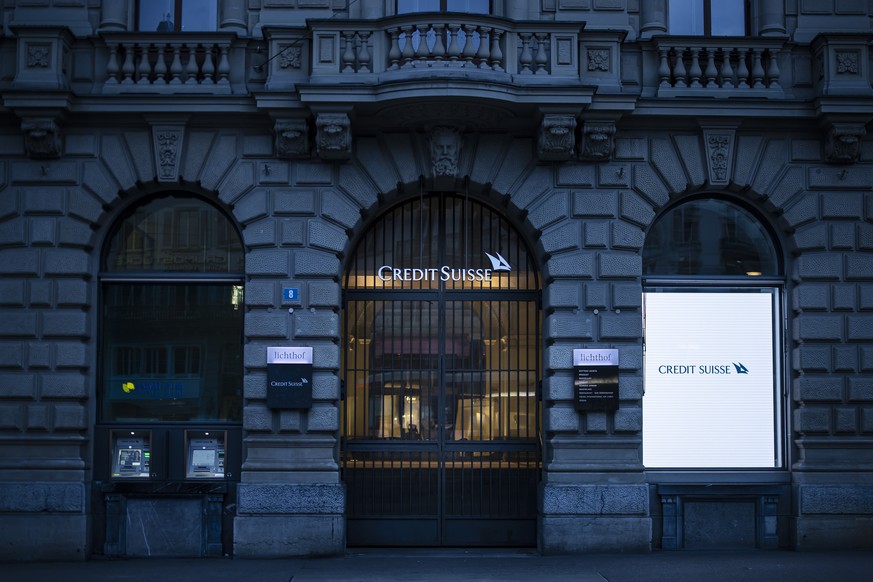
point(711, 238)
point(709, 17)
point(172, 351)
point(178, 235)
point(471, 6)
point(177, 15)
point(172, 315)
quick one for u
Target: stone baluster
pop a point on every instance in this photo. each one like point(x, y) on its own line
point(112, 65)
point(454, 50)
point(711, 72)
point(421, 53)
point(757, 70)
point(127, 66)
point(223, 65)
point(348, 52)
point(176, 65)
point(469, 53)
point(439, 48)
point(679, 68)
point(496, 52)
point(364, 57)
point(208, 68)
point(408, 49)
point(773, 70)
point(742, 69)
point(540, 58)
point(526, 58)
point(160, 64)
point(394, 53)
point(143, 71)
point(695, 73)
point(484, 50)
point(664, 68)
point(727, 71)
point(190, 72)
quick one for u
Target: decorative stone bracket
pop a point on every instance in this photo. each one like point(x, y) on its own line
point(333, 139)
point(292, 138)
point(557, 137)
point(597, 141)
point(42, 137)
point(843, 142)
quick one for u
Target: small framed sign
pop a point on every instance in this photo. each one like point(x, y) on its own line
point(289, 377)
point(595, 379)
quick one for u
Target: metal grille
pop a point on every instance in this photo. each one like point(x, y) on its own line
point(441, 365)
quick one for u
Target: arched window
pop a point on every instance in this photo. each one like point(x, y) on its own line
point(712, 301)
point(709, 237)
point(172, 315)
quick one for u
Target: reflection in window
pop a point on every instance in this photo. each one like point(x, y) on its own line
point(165, 355)
point(176, 234)
point(177, 15)
point(708, 17)
point(470, 6)
point(712, 238)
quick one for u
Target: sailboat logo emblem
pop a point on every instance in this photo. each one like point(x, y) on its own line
point(498, 263)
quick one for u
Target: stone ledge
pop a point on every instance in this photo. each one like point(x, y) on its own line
point(42, 497)
point(595, 500)
point(836, 499)
point(297, 498)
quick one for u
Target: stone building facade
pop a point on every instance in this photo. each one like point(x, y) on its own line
point(578, 123)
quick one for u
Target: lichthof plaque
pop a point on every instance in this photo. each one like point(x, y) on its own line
point(289, 377)
point(595, 379)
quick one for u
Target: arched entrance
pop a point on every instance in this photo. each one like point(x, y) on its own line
point(441, 363)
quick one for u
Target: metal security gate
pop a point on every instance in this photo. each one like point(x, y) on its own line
point(441, 367)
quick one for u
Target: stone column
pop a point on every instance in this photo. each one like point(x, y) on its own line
point(232, 16)
point(372, 8)
point(772, 17)
point(653, 18)
point(114, 16)
point(516, 9)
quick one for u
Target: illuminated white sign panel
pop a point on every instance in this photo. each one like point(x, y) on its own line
point(445, 273)
point(710, 381)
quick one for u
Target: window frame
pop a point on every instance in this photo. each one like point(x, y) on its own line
point(177, 280)
point(774, 284)
point(779, 397)
point(177, 18)
point(707, 19)
point(443, 8)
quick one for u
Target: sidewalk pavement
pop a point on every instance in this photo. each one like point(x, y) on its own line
point(468, 565)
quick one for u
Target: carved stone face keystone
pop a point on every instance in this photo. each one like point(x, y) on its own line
point(445, 148)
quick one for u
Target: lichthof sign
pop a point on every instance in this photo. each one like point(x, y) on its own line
point(289, 377)
point(595, 379)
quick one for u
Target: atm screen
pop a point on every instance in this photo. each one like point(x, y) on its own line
point(129, 460)
point(203, 459)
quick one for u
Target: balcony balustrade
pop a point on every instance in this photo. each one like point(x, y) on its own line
point(438, 41)
point(177, 63)
point(719, 67)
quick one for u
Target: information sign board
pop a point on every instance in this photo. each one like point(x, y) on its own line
point(289, 377)
point(595, 379)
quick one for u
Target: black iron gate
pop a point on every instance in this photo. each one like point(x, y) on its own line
point(441, 366)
